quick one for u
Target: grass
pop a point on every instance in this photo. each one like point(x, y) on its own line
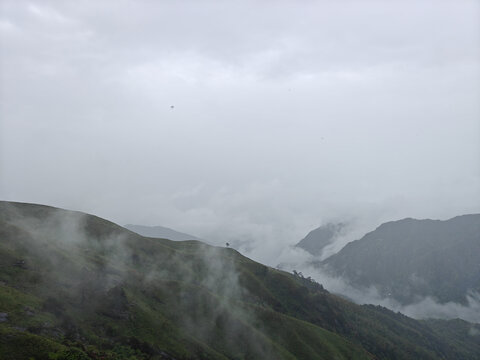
point(112, 294)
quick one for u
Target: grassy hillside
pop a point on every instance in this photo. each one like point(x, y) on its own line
point(74, 286)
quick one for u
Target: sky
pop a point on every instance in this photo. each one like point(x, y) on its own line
point(251, 121)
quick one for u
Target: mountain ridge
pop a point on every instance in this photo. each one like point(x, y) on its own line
point(75, 286)
point(438, 258)
point(317, 239)
point(162, 232)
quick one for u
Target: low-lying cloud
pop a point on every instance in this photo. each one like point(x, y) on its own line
point(426, 307)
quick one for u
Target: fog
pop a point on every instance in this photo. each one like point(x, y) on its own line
point(422, 308)
point(86, 262)
point(247, 122)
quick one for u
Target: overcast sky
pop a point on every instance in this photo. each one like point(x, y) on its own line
point(286, 114)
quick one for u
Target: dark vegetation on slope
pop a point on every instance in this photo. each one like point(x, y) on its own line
point(74, 286)
point(410, 259)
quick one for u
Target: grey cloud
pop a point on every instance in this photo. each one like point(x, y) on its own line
point(285, 116)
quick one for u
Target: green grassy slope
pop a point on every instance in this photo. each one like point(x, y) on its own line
point(74, 286)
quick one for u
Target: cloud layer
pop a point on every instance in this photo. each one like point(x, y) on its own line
point(284, 115)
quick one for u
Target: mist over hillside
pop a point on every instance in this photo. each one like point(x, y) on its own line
point(411, 259)
point(76, 286)
point(318, 239)
point(422, 268)
point(306, 140)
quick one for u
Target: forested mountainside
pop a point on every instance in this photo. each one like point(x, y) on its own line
point(75, 286)
point(411, 259)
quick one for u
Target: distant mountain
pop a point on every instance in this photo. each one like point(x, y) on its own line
point(410, 259)
point(75, 286)
point(160, 232)
point(316, 240)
